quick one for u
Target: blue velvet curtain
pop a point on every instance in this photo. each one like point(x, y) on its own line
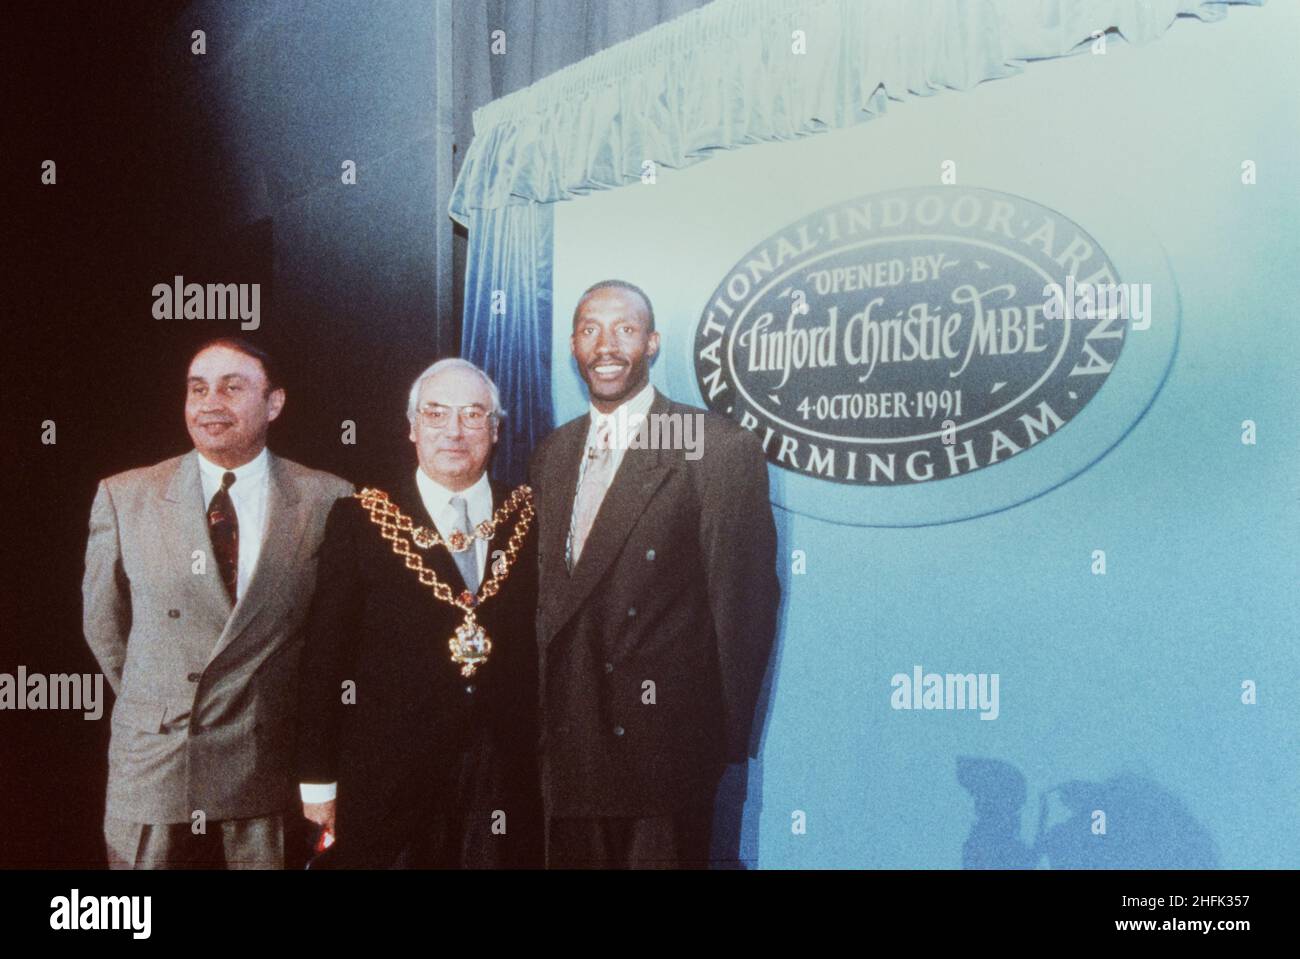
point(508, 323)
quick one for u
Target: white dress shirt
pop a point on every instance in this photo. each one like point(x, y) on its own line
point(437, 502)
point(249, 495)
point(623, 424)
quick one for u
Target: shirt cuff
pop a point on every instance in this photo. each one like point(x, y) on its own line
point(318, 792)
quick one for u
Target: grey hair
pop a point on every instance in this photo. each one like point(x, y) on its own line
point(453, 363)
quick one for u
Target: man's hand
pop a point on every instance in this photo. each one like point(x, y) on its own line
point(321, 813)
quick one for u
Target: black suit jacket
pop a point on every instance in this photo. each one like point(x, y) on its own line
point(399, 747)
point(653, 650)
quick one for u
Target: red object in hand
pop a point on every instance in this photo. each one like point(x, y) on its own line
point(325, 841)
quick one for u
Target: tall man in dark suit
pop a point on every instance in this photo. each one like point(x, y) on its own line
point(418, 742)
point(658, 603)
point(198, 571)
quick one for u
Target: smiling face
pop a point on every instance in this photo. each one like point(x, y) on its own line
point(451, 454)
point(228, 405)
point(613, 345)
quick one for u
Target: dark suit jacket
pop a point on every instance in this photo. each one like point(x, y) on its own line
point(676, 587)
point(395, 753)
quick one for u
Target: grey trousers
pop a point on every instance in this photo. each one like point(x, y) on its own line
point(256, 843)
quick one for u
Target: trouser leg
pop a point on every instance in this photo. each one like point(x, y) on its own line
point(134, 845)
point(256, 843)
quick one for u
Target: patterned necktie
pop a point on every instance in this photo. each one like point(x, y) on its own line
point(223, 528)
point(467, 560)
point(595, 482)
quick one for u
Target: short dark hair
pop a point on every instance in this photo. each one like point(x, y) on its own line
point(617, 285)
point(241, 345)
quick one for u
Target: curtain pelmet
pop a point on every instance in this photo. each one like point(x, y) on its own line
point(728, 74)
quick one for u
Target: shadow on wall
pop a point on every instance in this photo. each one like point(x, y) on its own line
point(1146, 826)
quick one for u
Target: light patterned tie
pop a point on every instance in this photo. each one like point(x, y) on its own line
point(467, 560)
point(595, 481)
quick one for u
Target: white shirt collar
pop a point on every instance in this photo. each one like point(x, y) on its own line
point(638, 406)
point(245, 475)
point(437, 498)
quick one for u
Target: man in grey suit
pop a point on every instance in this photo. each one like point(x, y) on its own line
point(199, 570)
point(657, 603)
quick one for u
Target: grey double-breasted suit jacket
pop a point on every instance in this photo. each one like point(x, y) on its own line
point(206, 693)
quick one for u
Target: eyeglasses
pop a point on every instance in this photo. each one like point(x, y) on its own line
point(436, 416)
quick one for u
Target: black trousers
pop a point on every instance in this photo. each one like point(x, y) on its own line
point(485, 813)
point(678, 840)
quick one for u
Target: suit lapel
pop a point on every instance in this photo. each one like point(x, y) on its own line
point(183, 496)
point(491, 612)
point(556, 505)
point(284, 524)
point(638, 477)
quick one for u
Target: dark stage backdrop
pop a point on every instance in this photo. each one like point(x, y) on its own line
point(222, 167)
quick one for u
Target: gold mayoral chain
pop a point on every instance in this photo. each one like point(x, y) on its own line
point(470, 646)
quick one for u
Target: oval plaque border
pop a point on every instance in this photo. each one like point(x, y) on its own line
point(1084, 441)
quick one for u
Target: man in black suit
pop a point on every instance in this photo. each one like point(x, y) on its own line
point(417, 745)
point(658, 603)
